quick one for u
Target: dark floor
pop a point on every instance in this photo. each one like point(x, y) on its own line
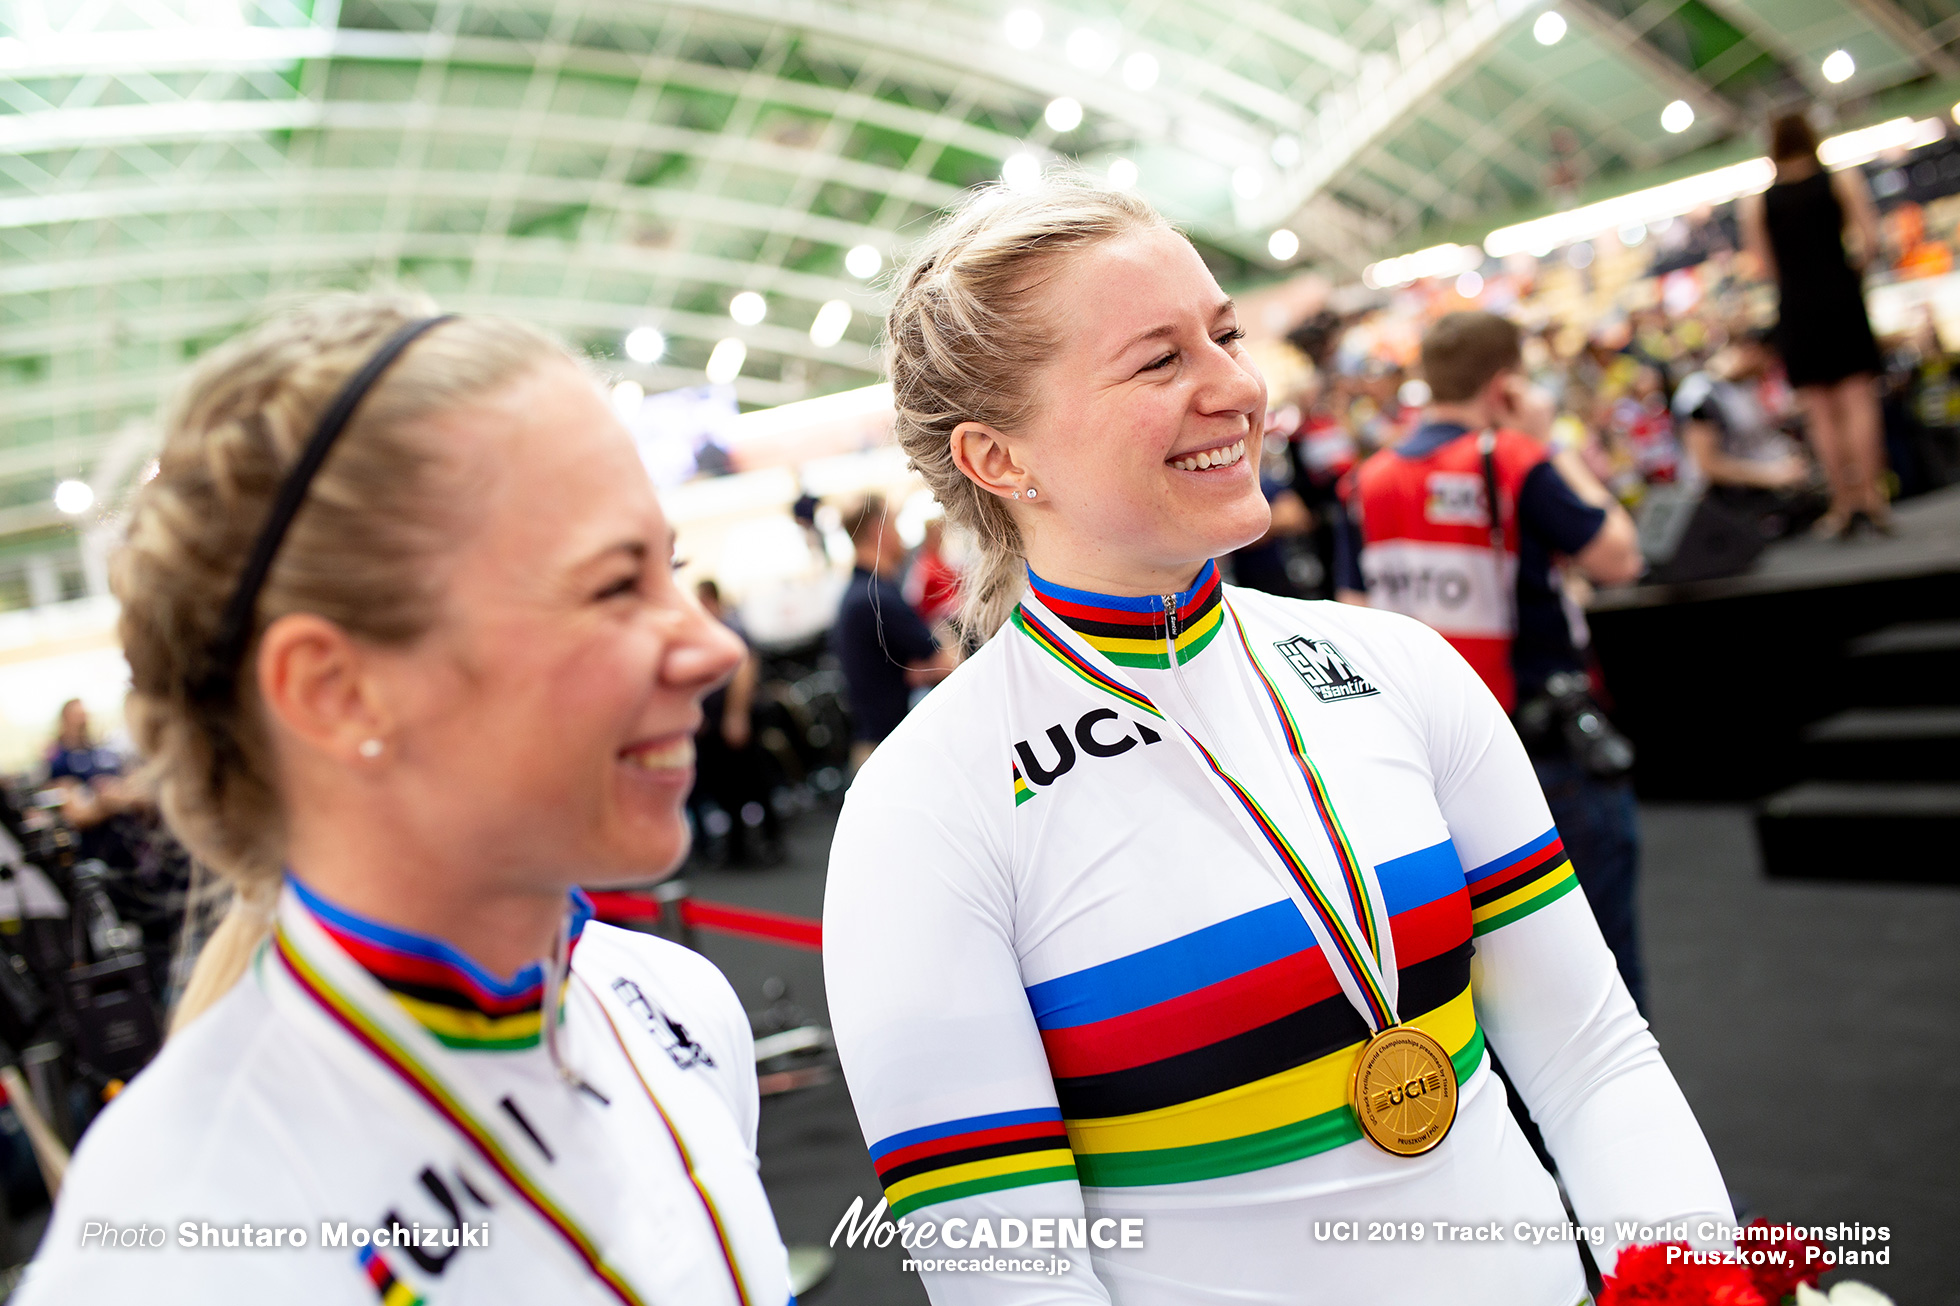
point(1812, 1026)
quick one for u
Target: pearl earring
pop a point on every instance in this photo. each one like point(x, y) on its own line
point(370, 748)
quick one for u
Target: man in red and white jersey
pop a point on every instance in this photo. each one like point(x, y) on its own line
point(1422, 543)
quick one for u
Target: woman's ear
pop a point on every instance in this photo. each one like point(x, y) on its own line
point(986, 458)
point(314, 682)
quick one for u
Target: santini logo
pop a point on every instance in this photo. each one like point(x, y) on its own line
point(1325, 670)
point(1106, 744)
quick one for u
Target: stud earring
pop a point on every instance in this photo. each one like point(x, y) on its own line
point(1017, 494)
point(1031, 492)
point(370, 748)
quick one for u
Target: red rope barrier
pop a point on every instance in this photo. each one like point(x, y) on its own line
point(747, 922)
point(796, 931)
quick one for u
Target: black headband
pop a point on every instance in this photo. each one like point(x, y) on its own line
point(235, 629)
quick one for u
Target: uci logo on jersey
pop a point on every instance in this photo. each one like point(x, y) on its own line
point(1094, 743)
point(1325, 669)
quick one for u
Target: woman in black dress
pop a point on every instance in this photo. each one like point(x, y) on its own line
point(1814, 231)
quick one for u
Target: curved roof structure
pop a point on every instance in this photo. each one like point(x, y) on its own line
point(166, 166)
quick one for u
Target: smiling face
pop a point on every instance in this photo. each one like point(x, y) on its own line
point(545, 723)
point(1143, 418)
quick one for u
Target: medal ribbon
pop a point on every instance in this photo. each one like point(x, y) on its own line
point(1357, 956)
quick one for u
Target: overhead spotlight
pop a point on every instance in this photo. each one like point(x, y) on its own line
point(1633, 233)
point(1282, 244)
point(1677, 117)
point(830, 323)
point(1470, 284)
point(1580, 255)
point(626, 398)
point(1063, 114)
point(645, 344)
point(1838, 66)
point(748, 308)
point(1021, 171)
point(73, 497)
point(1123, 173)
point(1550, 27)
point(1023, 29)
point(1090, 50)
point(863, 262)
point(1248, 183)
point(725, 363)
point(1140, 71)
point(1286, 150)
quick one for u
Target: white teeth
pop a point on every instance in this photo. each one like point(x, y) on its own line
point(678, 754)
point(1209, 458)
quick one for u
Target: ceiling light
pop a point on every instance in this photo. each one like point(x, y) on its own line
point(645, 344)
point(1140, 71)
point(1248, 182)
point(725, 363)
point(1023, 29)
point(1678, 116)
point(1580, 255)
point(1549, 29)
point(1633, 233)
point(1021, 171)
point(1282, 244)
point(1436, 261)
point(1122, 174)
point(1063, 114)
point(73, 497)
point(1090, 50)
point(1471, 284)
point(626, 398)
point(829, 326)
point(1838, 66)
point(748, 308)
point(1286, 150)
point(863, 262)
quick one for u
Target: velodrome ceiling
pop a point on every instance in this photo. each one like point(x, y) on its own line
point(167, 166)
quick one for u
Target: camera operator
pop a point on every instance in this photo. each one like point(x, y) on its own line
point(1427, 546)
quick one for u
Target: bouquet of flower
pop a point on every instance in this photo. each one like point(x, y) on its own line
point(1671, 1274)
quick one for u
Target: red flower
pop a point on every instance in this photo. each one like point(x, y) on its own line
point(1776, 1282)
point(1645, 1276)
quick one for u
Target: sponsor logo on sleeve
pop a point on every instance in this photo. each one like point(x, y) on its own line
point(1328, 673)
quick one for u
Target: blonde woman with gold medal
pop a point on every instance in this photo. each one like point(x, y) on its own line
point(1188, 905)
point(409, 664)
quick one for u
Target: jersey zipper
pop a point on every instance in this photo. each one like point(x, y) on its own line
point(1177, 674)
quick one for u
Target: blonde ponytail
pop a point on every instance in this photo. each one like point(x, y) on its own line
point(964, 336)
point(361, 553)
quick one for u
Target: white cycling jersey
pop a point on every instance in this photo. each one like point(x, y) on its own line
point(391, 1103)
point(1070, 978)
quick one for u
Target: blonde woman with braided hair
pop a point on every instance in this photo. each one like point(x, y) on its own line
point(1164, 941)
point(409, 664)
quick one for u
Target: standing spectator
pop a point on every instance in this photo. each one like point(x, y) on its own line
point(730, 769)
point(886, 650)
point(932, 586)
point(1797, 230)
point(1428, 549)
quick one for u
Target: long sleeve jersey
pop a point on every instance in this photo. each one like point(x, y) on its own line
point(371, 1119)
point(1067, 982)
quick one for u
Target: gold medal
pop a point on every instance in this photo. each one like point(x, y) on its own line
point(1403, 1091)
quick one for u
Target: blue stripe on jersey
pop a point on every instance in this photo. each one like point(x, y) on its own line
point(1516, 854)
point(970, 1124)
point(1231, 947)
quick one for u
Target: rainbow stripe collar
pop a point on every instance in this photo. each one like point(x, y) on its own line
point(463, 1005)
point(1140, 632)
